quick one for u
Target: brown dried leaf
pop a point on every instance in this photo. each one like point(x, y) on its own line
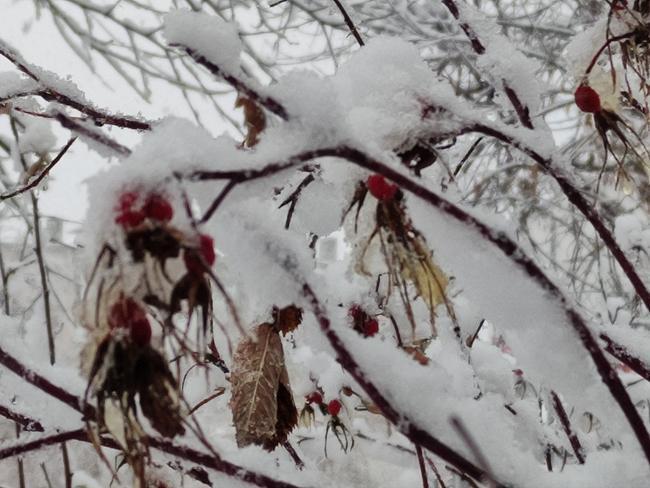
point(262, 404)
point(287, 319)
point(254, 118)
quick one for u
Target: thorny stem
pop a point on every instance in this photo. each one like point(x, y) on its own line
point(27, 424)
point(566, 425)
point(350, 23)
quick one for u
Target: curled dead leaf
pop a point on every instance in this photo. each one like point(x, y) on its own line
point(262, 403)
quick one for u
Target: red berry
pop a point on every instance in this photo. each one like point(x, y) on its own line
point(380, 188)
point(206, 244)
point(129, 218)
point(587, 99)
point(126, 313)
point(127, 200)
point(371, 327)
point(355, 312)
point(141, 332)
point(333, 408)
point(158, 208)
point(619, 5)
point(206, 249)
point(315, 397)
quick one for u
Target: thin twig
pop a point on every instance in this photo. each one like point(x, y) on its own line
point(349, 23)
point(35, 181)
point(566, 425)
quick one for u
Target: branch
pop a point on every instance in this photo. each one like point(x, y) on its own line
point(405, 425)
point(98, 137)
point(35, 181)
point(240, 85)
point(349, 23)
point(566, 424)
point(637, 365)
point(51, 94)
point(26, 423)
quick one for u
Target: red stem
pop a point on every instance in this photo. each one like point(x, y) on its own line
point(566, 424)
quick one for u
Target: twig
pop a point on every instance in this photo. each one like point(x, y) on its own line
point(474, 448)
point(96, 136)
point(27, 424)
point(622, 354)
point(294, 455)
point(39, 256)
point(293, 198)
point(423, 468)
point(566, 424)
point(267, 102)
point(350, 23)
point(66, 466)
point(35, 181)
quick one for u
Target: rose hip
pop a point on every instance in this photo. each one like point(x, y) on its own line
point(380, 188)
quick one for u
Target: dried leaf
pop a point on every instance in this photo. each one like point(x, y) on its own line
point(254, 119)
point(287, 319)
point(262, 403)
point(418, 267)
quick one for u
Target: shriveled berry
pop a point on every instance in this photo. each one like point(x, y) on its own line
point(141, 332)
point(587, 99)
point(157, 207)
point(333, 408)
point(206, 249)
point(314, 397)
point(380, 188)
point(129, 218)
point(371, 327)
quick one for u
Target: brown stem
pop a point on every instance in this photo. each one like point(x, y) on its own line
point(27, 424)
point(102, 139)
point(349, 23)
point(66, 466)
point(35, 181)
point(566, 425)
point(423, 468)
point(637, 365)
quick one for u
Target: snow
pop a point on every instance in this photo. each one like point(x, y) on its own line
point(210, 36)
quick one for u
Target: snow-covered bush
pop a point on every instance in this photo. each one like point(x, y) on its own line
point(414, 253)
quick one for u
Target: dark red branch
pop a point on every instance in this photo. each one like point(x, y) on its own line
point(476, 43)
point(267, 102)
point(566, 425)
point(350, 23)
point(27, 424)
point(50, 94)
point(96, 136)
point(637, 365)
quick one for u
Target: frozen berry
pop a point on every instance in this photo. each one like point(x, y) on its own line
point(158, 208)
point(126, 313)
point(127, 200)
point(380, 188)
point(129, 218)
point(371, 327)
point(315, 397)
point(206, 249)
point(587, 99)
point(333, 408)
point(141, 331)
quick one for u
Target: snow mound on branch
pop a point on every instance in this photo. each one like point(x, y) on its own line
point(379, 100)
point(208, 35)
point(12, 85)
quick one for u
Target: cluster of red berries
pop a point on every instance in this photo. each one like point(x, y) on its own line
point(127, 314)
point(362, 322)
point(381, 189)
point(333, 408)
point(587, 99)
point(156, 208)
